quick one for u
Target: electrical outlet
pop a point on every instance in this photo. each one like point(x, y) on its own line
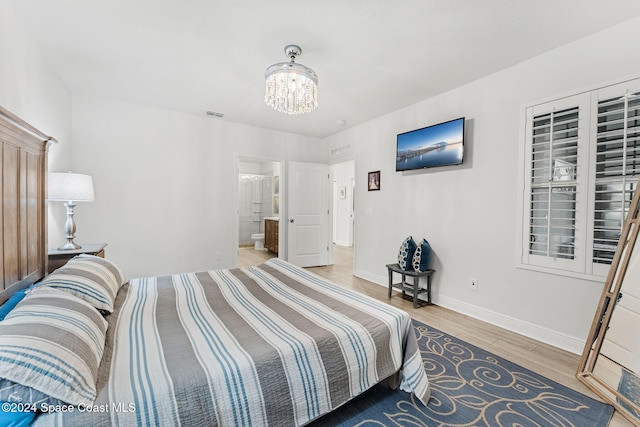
point(473, 284)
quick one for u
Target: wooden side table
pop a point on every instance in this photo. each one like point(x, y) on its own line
point(414, 289)
point(58, 258)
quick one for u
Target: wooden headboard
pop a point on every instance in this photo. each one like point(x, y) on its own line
point(23, 216)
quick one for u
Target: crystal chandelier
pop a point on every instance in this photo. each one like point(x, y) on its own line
point(291, 88)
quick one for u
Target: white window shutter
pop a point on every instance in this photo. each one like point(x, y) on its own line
point(581, 165)
point(617, 167)
point(555, 186)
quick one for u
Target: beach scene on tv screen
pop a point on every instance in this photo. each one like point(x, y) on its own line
point(438, 145)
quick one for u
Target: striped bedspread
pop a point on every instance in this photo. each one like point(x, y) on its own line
point(270, 345)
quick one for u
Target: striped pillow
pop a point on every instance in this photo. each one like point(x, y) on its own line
point(94, 279)
point(53, 342)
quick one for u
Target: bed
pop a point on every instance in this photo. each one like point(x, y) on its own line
point(269, 345)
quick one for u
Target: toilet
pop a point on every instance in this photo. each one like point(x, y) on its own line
point(258, 241)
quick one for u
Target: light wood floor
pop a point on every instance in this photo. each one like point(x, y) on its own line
point(553, 363)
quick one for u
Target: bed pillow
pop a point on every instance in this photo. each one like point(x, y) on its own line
point(422, 256)
point(52, 342)
point(92, 278)
point(405, 255)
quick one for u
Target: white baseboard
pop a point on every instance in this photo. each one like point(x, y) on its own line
point(378, 280)
point(539, 333)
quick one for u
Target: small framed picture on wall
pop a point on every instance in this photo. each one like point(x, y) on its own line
point(374, 181)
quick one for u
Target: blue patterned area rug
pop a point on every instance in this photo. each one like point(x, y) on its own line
point(471, 387)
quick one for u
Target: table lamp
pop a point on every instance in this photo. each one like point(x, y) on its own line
point(70, 188)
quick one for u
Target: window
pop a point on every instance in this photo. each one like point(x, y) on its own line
point(553, 185)
point(581, 162)
point(617, 166)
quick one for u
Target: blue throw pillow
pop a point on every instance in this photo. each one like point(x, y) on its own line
point(405, 255)
point(11, 303)
point(10, 417)
point(422, 256)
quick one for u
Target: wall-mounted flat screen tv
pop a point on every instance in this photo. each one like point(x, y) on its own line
point(437, 145)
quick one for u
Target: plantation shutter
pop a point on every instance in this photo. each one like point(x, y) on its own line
point(580, 169)
point(554, 149)
point(555, 183)
point(617, 167)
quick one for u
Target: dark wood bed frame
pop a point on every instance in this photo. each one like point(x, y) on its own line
point(23, 216)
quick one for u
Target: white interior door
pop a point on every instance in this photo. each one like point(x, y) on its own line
point(308, 214)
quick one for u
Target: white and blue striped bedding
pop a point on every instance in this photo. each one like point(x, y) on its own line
point(270, 345)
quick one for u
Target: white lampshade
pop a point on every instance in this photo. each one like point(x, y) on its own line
point(69, 186)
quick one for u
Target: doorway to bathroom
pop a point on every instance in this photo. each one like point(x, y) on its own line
point(258, 207)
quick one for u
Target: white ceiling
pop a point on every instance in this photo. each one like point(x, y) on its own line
point(371, 56)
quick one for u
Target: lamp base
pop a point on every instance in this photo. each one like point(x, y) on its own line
point(69, 246)
point(69, 229)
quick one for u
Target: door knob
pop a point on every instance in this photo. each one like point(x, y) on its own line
point(291, 220)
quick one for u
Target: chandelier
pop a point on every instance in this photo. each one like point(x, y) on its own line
point(291, 88)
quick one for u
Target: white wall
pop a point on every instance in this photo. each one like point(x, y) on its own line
point(468, 212)
point(165, 182)
point(31, 89)
point(29, 86)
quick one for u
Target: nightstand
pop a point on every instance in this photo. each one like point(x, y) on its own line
point(58, 258)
